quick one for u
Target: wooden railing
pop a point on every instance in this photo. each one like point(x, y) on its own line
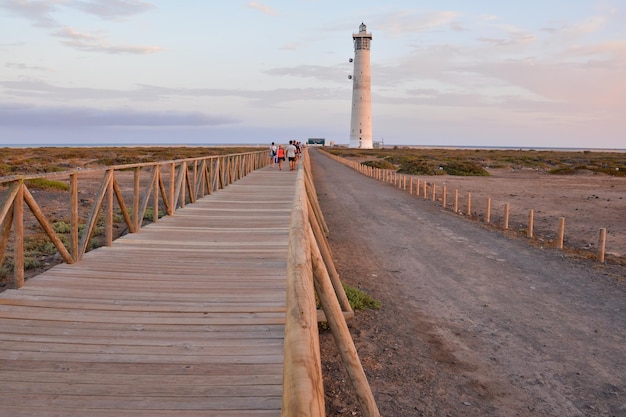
point(311, 271)
point(165, 185)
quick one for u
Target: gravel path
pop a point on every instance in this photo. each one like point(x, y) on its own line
point(472, 323)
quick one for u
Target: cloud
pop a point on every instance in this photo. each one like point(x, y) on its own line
point(111, 9)
point(262, 8)
point(32, 116)
point(92, 43)
point(38, 11)
point(24, 67)
point(316, 72)
point(410, 21)
point(616, 49)
point(514, 38)
point(41, 12)
point(148, 93)
point(587, 27)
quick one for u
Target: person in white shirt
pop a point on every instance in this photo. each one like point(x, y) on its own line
point(273, 153)
point(291, 155)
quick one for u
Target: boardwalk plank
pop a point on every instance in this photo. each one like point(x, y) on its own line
point(183, 318)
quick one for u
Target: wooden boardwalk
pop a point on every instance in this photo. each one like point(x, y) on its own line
point(184, 318)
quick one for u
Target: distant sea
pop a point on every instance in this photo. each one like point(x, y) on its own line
point(226, 145)
point(114, 145)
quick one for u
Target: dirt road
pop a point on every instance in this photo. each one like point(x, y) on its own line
point(472, 323)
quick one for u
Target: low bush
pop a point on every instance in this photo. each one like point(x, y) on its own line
point(45, 184)
point(359, 300)
point(380, 164)
point(465, 168)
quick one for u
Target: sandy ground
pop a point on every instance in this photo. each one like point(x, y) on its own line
point(474, 322)
point(588, 202)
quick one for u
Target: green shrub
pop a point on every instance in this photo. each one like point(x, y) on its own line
point(45, 184)
point(149, 213)
point(465, 168)
point(61, 227)
point(31, 262)
point(39, 244)
point(420, 167)
point(380, 164)
point(359, 300)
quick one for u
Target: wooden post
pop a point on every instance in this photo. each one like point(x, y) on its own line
point(183, 181)
point(425, 190)
point(601, 244)
point(136, 179)
point(327, 256)
point(108, 218)
point(456, 201)
point(411, 186)
point(18, 228)
point(173, 203)
point(312, 198)
point(7, 216)
point(417, 187)
point(506, 216)
point(531, 223)
point(561, 236)
point(444, 197)
point(155, 191)
point(74, 216)
point(341, 334)
point(469, 204)
point(434, 191)
point(488, 216)
point(46, 226)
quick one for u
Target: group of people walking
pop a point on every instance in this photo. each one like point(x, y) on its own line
point(292, 152)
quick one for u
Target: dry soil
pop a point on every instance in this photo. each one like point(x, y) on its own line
point(474, 322)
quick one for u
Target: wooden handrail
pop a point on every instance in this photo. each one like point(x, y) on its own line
point(303, 390)
point(311, 271)
point(173, 183)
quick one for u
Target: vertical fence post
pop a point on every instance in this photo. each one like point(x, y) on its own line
point(411, 186)
point(531, 223)
point(417, 188)
point(425, 189)
point(74, 216)
point(444, 196)
point(507, 208)
point(18, 227)
point(136, 179)
point(173, 204)
point(157, 177)
point(108, 222)
point(601, 244)
point(488, 217)
point(561, 236)
point(469, 204)
point(434, 191)
point(456, 201)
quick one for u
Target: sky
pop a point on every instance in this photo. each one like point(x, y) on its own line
point(447, 73)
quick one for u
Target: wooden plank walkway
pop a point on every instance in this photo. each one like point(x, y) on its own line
point(184, 318)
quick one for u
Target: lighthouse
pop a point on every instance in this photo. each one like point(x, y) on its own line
point(361, 122)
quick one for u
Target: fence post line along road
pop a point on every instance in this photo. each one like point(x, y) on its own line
point(208, 310)
point(558, 242)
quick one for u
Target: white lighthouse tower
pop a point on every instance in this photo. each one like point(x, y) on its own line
point(361, 123)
